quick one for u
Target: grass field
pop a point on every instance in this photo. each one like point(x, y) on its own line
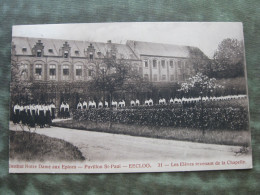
point(225, 137)
point(34, 147)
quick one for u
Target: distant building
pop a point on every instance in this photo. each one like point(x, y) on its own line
point(53, 62)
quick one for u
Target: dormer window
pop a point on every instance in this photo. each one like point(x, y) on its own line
point(24, 49)
point(98, 53)
point(50, 50)
point(39, 53)
point(77, 52)
point(66, 54)
point(91, 55)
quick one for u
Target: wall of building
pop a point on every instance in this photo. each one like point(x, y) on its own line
point(166, 69)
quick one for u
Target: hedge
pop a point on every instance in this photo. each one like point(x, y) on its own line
point(210, 117)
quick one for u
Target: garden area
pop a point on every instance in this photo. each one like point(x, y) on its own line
point(218, 122)
point(35, 147)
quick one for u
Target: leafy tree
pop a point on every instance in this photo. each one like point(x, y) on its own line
point(229, 59)
point(200, 85)
point(109, 76)
point(113, 75)
point(20, 86)
point(199, 61)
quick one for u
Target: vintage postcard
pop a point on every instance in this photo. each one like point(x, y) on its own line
point(128, 97)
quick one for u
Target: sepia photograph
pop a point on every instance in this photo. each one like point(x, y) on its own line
point(128, 97)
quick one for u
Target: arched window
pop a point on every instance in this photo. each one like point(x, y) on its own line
point(38, 71)
point(65, 72)
point(78, 72)
point(52, 72)
point(24, 71)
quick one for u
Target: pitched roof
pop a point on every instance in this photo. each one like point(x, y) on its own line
point(123, 51)
point(131, 50)
point(161, 49)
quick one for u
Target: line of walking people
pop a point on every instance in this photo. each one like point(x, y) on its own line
point(34, 114)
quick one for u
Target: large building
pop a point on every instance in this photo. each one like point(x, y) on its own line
point(53, 62)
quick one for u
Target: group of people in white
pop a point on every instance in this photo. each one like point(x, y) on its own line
point(34, 114)
point(43, 114)
point(204, 99)
point(150, 102)
point(64, 110)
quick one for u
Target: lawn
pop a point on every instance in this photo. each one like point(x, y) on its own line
point(34, 147)
point(225, 137)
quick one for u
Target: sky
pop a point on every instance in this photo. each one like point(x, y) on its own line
point(204, 35)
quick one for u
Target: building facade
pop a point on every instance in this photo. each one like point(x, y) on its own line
point(62, 64)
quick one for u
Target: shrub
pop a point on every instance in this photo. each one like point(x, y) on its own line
point(229, 115)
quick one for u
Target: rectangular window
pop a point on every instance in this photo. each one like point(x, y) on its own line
point(179, 68)
point(66, 72)
point(39, 53)
point(38, 71)
point(163, 63)
point(90, 73)
point(155, 77)
point(164, 77)
point(79, 72)
point(171, 64)
point(154, 64)
point(52, 71)
point(146, 64)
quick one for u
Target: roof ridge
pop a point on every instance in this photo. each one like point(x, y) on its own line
point(163, 43)
point(72, 40)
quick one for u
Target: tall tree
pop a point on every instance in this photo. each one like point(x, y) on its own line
point(200, 62)
point(200, 85)
point(109, 76)
point(229, 59)
point(20, 86)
